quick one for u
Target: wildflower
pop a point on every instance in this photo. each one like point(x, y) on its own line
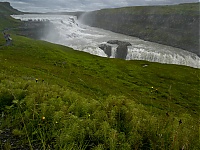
point(152, 87)
point(89, 115)
point(56, 122)
point(36, 80)
point(156, 91)
point(43, 118)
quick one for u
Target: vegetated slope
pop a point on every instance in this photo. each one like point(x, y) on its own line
point(95, 77)
point(6, 21)
point(7, 9)
point(176, 25)
point(94, 101)
point(54, 97)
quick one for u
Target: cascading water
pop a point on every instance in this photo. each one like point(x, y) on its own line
point(181, 58)
point(113, 51)
point(68, 31)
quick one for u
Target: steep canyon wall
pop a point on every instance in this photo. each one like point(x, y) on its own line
point(176, 25)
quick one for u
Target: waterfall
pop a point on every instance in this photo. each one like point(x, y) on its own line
point(184, 58)
point(113, 51)
point(93, 50)
point(68, 31)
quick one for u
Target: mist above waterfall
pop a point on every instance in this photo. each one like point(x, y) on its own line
point(67, 30)
point(87, 18)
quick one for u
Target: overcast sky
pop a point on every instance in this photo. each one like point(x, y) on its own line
point(83, 5)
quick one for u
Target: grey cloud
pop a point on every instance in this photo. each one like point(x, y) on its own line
point(84, 5)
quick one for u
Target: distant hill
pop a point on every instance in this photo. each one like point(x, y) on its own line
point(6, 20)
point(174, 25)
point(7, 9)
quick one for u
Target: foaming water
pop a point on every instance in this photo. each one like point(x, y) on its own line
point(68, 31)
point(169, 58)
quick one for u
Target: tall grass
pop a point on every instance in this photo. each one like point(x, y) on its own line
point(54, 117)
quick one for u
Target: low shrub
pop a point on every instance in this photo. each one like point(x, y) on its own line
point(54, 117)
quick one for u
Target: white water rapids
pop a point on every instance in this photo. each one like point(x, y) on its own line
point(70, 32)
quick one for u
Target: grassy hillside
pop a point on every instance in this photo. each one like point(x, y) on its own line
point(89, 88)
point(6, 9)
point(175, 25)
point(53, 97)
point(188, 8)
point(6, 20)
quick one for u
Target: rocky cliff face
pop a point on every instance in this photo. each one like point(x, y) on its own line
point(176, 25)
point(121, 51)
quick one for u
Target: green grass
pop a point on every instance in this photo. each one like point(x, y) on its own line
point(7, 21)
point(95, 77)
point(190, 8)
point(7, 9)
point(95, 86)
point(52, 116)
point(82, 101)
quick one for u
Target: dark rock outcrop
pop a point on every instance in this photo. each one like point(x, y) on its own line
point(106, 48)
point(176, 25)
point(119, 42)
point(121, 51)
